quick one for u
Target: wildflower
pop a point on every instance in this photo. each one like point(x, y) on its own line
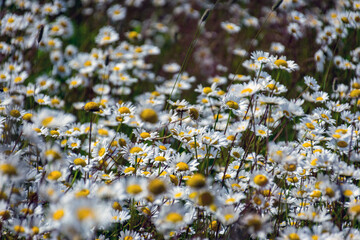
point(257, 225)
point(320, 60)
point(277, 47)
point(230, 27)
point(106, 35)
point(282, 63)
point(294, 30)
point(116, 12)
point(260, 179)
point(227, 215)
point(52, 118)
point(173, 217)
point(92, 107)
point(125, 235)
point(311, 83)
point(171, 67)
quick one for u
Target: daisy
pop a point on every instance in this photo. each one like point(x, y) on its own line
point(78, 162)
point(101, 89)
point(135, 187)
point(183, 164)
point(262, 131)
point(173, 217)
point(257, 225)
point(294, 30)
point(311, 83)
point(277, 47)
point(282, 63)
point(230, 27)
point(319, 60)
point(52, 118)
point(238, 77)
point(218, 80)
point(116, 12)
point(70, 52)
point(245, 90)
point(106, 36)
point(20, 77)
point(228, 215)
point(260, 179)
point(171, 67)
point(125, 235)
point(261, 57)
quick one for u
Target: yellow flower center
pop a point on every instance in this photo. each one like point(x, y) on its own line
point(233, 105)
point(46, 122)
point(293, 236)
point(205, 199)
point(207, 90)
point(15, 113)
point(92, 107)
point(310, 126)
point(51, 153)
point(8, 169)
point(260, 180)
point(355, 209)
point(329, 192)
point(54, 175)
point(136, 150)
point(149, 115)
point(19, 229)
point(228, 216)
point(129, 169)
point(144, 135)
point(160, 159)
point(58, 214)
point(174, 217)
point(281, 62)
point(117, 206)
point(134, 189)
point(197, 181)
point(342, 144)
point(124, 110)
point(246, 90)
point(348, 193)
point(87, 63)
point(181, 166)
point(262, 132)
point(80, 161)
point(82, 193)
point(101, 152)
point(85, 213)
point(156, 186)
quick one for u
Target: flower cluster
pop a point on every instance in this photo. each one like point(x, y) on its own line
point(101, 139)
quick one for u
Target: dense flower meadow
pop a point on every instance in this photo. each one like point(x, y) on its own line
point(180, 119)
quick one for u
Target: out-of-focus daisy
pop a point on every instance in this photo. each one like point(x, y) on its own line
point(277, 47)
point(173, 217)
point(311, 83)
point(116, 12)
point(294, 30)
point(106, 35)
point(228, 215)
point(52, 118)
point(171, 67)
point(230, 27)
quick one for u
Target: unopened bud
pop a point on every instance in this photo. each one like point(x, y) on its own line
point(276, 5)
point(107, 59)
point(205, 15)
point(41, 33)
